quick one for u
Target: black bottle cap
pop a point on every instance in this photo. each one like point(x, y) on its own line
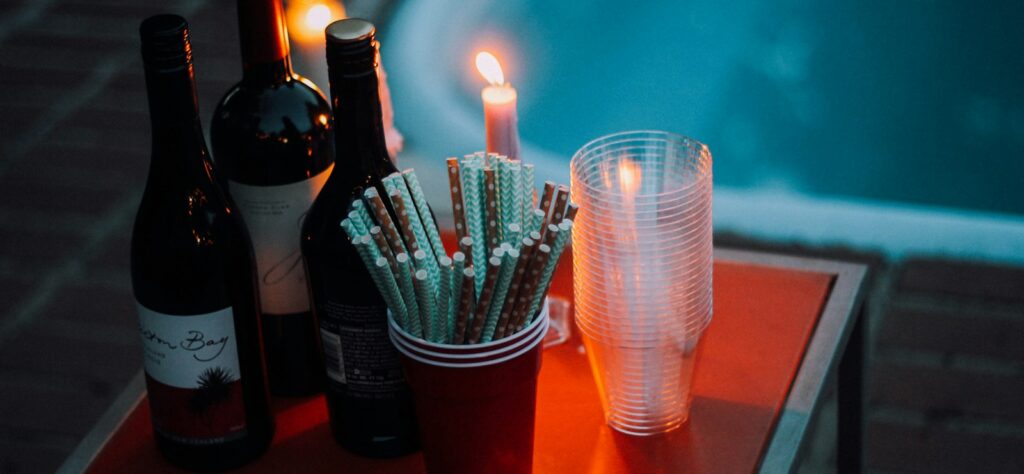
point(351, 45)
point(165, 43)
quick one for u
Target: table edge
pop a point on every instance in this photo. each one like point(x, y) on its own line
point(104, 429)
point(829, 340)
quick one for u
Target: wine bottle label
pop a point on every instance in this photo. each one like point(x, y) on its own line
point(273, 215)
point(192, 375)
point(360, 360)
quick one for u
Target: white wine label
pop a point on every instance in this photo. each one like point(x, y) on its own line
point(192, 376)
point(274, 215)
point(178, 350)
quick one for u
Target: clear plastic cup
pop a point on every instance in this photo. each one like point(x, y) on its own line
point(642, 258)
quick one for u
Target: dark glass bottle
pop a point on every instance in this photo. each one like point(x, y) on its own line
point(272, 140)
point(194, 280)
point(370, 405)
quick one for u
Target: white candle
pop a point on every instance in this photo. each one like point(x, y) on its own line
point(500, 116)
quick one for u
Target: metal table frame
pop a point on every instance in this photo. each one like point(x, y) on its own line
point(835, 347)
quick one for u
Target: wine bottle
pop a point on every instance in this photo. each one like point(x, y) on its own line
point(272, 141)
point(369, 404)
point(194, 280)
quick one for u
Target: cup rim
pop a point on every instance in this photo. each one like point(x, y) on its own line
point(532, 341)
point(468, 350)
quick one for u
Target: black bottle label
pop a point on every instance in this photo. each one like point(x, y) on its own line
point(361, 362)
point(192, 376)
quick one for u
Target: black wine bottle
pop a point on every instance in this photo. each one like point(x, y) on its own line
point(272, 142)
point(194, 280)
point(370, 405)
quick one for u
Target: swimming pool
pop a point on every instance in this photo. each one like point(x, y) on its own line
point(895, 126)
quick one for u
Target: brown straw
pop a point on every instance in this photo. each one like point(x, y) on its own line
point(570, 212)
point(549, 194)
point(550, 234)
point(532, 279)
point(558, 212)
point(466, 247)
point(404, 221)
point(491, 200)
point(455, 188)
point(384, 219)
point(465, 304)
point(525, 253)
point(382, 246)
point(484, 302)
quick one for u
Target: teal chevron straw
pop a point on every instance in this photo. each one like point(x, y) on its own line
point(564, 231)
point(392, 295)
point(358, 223)
point(428, 307)
point(455, 293)
point(425, 213)
point(405, 286)
point(515, 234)
point(415, 219)
point(360, 207)
point(515, 170)
point(443, 298)
point(528, 183)
point(508, 263)
point(472, 195)
point(350, 229)
point(537, 220)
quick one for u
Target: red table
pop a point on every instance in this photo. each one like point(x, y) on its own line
point(780, 329)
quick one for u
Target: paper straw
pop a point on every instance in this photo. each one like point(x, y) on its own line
point(536, 221)
point(405, 286)
point(466, 305)
point(483, 303)
point(360, 207)
point(361, 227)
point(455, 188)
point(349, 228)
point(444, 289)
point(525, 254)
point(528, 183)
point(425, 300)
point(455, 290)
point(472, 196)
point(426, 215)
point(382, 246)
point(570, 212)
point(466, 247)
point(532, 279)
point(508, 264)
point(514, 234)
point(564, 229)
point(415, 219)
point(389, 289)
point(380, 212)
point(550, 234)
point(491, 206)
point(545, 199)
point(404, 221)
point(558, 211)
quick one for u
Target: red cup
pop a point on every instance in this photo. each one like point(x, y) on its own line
point(475, 404)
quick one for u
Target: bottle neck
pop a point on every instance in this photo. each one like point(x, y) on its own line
point(265, 50)
point(174, 117)
point(358, 125)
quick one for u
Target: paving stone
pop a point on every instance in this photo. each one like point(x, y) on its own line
point(949, 391)
point(899, 447)
point(952, 331)
point(967, 279)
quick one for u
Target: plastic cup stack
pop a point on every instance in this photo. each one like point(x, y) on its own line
point(642, 261)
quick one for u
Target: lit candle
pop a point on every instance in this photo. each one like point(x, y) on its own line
point(500, 118)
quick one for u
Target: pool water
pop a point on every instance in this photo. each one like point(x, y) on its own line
point(900, 103)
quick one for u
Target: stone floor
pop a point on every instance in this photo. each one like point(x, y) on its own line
point(947, 362)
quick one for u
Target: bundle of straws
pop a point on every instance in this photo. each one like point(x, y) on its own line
point(509, 247)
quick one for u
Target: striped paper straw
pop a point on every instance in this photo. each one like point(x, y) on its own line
point(508, 264)
point(455, 290)
point(525, 254)
point(484, 302)
point(425, 300)
point(392, 295)
point(444, 289)
point(529, 183)
point(405, 286)
point(426, 215)
point(564, 229)
point(466, 305)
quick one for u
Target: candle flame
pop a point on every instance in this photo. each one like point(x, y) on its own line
point(629, 176)
point(318, 16)
point(490, 68)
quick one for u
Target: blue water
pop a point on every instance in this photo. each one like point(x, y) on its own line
point(918, 102)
